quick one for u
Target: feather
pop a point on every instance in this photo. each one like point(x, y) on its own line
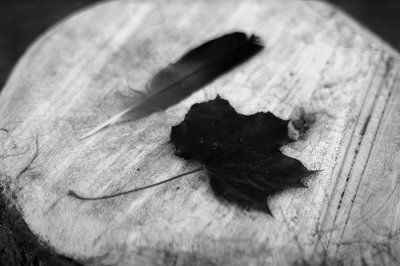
point(192, 71)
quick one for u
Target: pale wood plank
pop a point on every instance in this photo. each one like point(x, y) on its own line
point(70, 79)
point(369, 213)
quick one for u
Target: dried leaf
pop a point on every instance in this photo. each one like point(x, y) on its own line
point(240, 153)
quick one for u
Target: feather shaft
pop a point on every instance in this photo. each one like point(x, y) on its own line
point(191, 72)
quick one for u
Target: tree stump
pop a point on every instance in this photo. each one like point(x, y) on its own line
point(83, 70)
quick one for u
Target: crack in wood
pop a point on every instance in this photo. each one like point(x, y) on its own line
point(374, 136)
point(353, 192)
point(365, 125)
point(33, 158)
point(352, 150)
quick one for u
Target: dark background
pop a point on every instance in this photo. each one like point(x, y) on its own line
point(21, 21)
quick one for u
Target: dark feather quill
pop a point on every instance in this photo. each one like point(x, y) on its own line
point(192, 71)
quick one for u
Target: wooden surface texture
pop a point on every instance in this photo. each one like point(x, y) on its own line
point(83, 70)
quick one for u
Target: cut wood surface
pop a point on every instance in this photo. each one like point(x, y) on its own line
point(84, 70)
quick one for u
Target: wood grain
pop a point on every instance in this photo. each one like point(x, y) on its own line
point(81, 72)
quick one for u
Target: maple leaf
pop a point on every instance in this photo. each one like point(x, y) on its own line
point(239, 152)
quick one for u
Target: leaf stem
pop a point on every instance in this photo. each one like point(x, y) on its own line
point(75, 195)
